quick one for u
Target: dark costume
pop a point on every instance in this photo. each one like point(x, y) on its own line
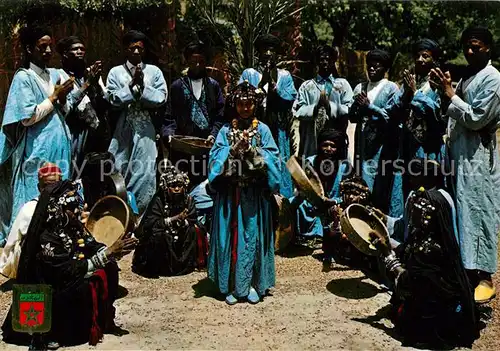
point(168, 247)
point(58, 251)
point(433, 297)
point(87, 117)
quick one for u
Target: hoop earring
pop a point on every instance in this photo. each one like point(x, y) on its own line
point(67, 219)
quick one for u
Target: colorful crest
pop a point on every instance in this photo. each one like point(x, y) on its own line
point(31, 308)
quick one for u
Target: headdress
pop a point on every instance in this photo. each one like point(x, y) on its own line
point(172, 176)
point(427, 44)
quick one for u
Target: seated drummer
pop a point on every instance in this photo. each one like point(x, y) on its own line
point(59, 251)
point(171, 241)
point(331, 167)
point(433, 299)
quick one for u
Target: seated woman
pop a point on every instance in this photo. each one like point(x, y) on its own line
point(171, 241)
point(433, 298)
point(59, 251)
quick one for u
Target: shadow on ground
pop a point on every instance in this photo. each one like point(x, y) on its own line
point(352, 288)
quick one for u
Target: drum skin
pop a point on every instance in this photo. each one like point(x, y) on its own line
point(357, 222)
point(109, 220)
point(312, 190)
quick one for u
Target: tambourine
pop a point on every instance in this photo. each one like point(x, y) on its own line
point(357, 222)
point(109, 220)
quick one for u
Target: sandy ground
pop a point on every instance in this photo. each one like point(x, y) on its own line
point(308, 309)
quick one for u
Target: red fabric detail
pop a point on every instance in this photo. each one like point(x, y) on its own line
point(400, 309)
point(202, 245)
point(98, 289)
point(48, 169)
point(234, 228)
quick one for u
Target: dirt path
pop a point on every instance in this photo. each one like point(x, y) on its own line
point(309, 309)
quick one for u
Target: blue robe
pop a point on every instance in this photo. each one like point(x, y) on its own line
point(425, 106)
point(308, 221)
point(473, 153)
point(134, 140)
point(280, 113)
point(376, 139)
point(313, 120)
point(24, 149)
point(255, 237)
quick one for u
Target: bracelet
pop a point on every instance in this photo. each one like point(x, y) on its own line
point(100, 259)
point(392, 262)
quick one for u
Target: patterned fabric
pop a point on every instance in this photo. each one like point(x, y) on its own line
point(198, 109)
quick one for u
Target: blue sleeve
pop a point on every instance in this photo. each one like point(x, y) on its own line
point(286, 88)
point(119, 93)
point(218, 155)
point(270, 153)
point(155, 94)
point(426, 105)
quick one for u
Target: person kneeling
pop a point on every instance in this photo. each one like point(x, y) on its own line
point(59, 251)
point(171, 241)
point(433, 298)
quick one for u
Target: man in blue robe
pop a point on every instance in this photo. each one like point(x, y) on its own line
point(418, 107)
point(473, 111)
point(377, 138)
point(136, 89)
point(331, 168)
point(280, 95)
point(87, 107)
point(195, 108)
point(33, 128)
point(322, 103)
point(244, 171)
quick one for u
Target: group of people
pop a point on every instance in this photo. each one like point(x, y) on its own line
point(221, 212)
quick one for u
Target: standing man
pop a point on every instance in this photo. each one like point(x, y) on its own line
point(473, 111)
point(323, 102)
point(87, 105)
point(136, 89)
point(376, 138)
point(33, 126)
point(195, 108)
point(418, 107)
point(280, 95)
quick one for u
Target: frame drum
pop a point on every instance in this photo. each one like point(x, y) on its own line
point(109, 220)
point(357, 222)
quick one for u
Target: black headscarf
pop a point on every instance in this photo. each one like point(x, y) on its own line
point(455, 275)
point(479, 33)
point(427, 44)
point(340, 139)
point(326, 50)
point(65, 44)
point(31, 34)
point(266, 41)
point(27, 270)
point(381, 56)
point(133, 36)
point(195, 47)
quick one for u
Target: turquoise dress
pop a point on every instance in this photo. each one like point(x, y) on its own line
point(24, 149)
point(242, 237)
point(376, 139)
point(280, 113)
